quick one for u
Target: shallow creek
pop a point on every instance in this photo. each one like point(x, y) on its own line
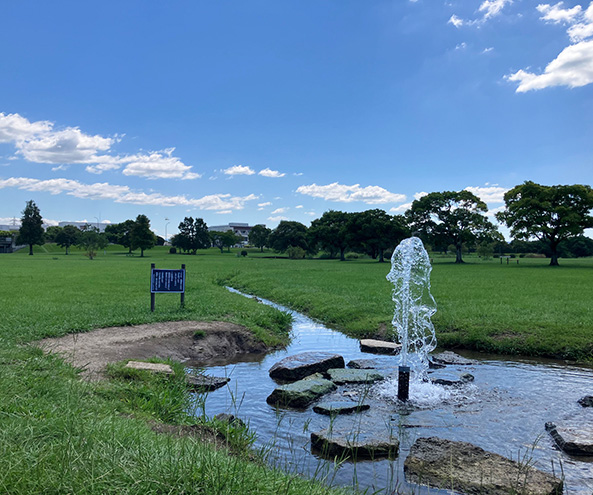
point(504, 411)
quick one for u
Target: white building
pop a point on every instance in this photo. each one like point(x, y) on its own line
point(80, 225)
point(238, 228)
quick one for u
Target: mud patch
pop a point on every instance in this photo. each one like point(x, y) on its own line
point(216, 341)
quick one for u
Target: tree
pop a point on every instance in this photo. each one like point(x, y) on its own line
point(51, 233)
point(330, 232)
point(225, 239)
point(31, 230)
point(91, 239)
point(374, 231)
point(120, 233)
point(289, 233)
point(451, 217)
point(551, 214)
point(259, 235)
point(193, 235)
point(141, 237)
point(68, 236)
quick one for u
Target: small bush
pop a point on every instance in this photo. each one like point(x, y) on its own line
point(295, 253)
point(243, 253)
point(172, 250)
point(352, 256)
point(199, 334)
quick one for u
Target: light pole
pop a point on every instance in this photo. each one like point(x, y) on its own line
point(98, 222)
point(166, 220)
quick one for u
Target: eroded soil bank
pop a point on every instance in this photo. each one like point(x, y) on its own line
point(177, 340)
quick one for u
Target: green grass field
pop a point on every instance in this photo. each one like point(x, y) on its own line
point(59, 434)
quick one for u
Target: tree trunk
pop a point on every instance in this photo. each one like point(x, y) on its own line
point(342, 250)
point(381, 258)
point(30, 249)
point(141, 253)
point(261, 249)
point(458, 258)
point(554, 257)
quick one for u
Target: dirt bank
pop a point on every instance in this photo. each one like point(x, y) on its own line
point(217, 341)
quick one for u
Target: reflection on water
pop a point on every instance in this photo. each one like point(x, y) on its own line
point(504, 411)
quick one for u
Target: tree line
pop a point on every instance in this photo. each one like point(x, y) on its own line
point(551, 219)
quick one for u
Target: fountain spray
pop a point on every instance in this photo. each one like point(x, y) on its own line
point(414, 306)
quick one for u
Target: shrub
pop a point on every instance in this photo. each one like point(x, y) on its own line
point(295, 253)
point(243, 253)
point(172, 250)
point(352, 256)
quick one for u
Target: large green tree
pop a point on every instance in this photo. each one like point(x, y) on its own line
point(68, 236)
point(31, 230)
point(193, 235)
point(550, 214)
point(141, 237)
point(91, 240)
point(225, 239)
point(451, 217)
point(330, 232)
point(120, 233)
point(375, 231)
point(259, 235)
point(287, 234)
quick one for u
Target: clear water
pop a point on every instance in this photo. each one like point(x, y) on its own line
point(504, 411)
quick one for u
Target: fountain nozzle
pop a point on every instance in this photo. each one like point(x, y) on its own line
point(403, 383)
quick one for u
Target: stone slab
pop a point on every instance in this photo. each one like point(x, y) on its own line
point(301, 365)
point(586, 401)
point(153, 367)
point(574, 440)
point(301, 393)
point(335, 408)
point(355, 443)
point(362, 364)
point(205, 383)
point(379, 346)
point(341, 376)
point(466, 468)
point(452, 358)
point(452, 379)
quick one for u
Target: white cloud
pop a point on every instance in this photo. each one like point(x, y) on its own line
point(556, 13)
point(123, 194)
point(224, 212)
point(277, 219)
point(278, 211)
point(573, 67)
point(492, 8)
point(420, 194)
point(239, 170)
point(299, 207)
point(401, 208)
point(461, 46)
point(261, 205)
point(310, 213)
point(456, 21)
point(491, 213)
point(59, 168)
point(489, 194)
point(487, 50)
point(347, 194)
point(266, 172)
point(158, 165)
point(15, 128)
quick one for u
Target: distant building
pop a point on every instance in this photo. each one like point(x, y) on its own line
point(80, 225)
point(238, 228)
point(7, 244)
point(9, 227)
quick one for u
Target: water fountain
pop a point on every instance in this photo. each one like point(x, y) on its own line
point(414, 307)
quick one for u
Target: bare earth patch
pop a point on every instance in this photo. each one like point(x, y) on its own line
point(92, 351)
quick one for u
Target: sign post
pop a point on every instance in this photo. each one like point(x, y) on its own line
point(166, 282)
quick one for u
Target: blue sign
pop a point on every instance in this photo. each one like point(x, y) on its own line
point(169, 281)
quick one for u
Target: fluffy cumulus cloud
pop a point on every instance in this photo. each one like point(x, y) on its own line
point(39, 142)
point(266, 172)
point(486, 11)
point(573, 67)
point(238, 170)
point(277, 211)
point(371, 195)
point(123, 194)
point(489, 194)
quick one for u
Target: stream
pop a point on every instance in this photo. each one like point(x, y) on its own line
point(504, 411)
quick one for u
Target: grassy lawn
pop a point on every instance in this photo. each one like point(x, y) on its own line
point(62, 435)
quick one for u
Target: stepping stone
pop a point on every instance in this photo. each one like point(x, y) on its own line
point(449, 357)
point(452, 380)
point(379, 347)
point(301, 393)
point(362, 364)
point(340, 376)
point(205, 383)
point(574, 440)
point(466, 468)
point(355, 442)
point(339, 407)
point(153, 367)
point(301, 365)
point(586, 401)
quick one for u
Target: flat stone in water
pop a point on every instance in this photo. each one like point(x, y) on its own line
point(466, 468)
point(574, 440)
point(449, 357)
point(355, 442)
point(340, 376)
point(379, 346)
point(339, 407)
point(301, 365)
point(452, 379)
point(362, 364)
point(586, 401)
point(301, 393)
point(205, 383)
point(153, 367)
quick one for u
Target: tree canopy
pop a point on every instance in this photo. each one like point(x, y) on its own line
point(224, 239)
point(287, 234)
point(31, 231)
point(68, 236)
point(551, 214)
point(141, 237)
point(330, 232)
point(193, 235)
point(259, 235)
point(375, 231)
point(120, 233)
point(91, 239)
point(451, 217)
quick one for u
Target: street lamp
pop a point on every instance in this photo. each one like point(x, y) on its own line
point(98, 222)
point(167, 220)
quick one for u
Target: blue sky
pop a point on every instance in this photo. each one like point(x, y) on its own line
point(258, 111)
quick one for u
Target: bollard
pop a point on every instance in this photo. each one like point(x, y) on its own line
point(403, 383)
